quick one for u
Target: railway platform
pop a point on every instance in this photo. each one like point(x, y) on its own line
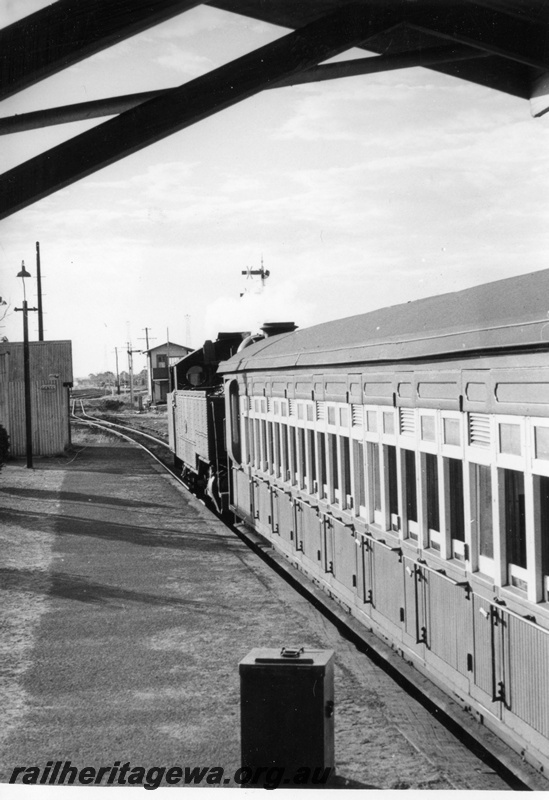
point(125, 609)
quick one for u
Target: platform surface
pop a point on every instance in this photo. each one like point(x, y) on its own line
point(126, 607)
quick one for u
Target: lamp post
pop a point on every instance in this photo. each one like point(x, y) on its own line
point(23, 273)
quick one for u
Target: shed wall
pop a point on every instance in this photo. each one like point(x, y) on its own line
point(51, 377)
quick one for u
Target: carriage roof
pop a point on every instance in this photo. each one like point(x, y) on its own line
point(503, 315)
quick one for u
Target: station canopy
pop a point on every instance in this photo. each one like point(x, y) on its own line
point(501, 44)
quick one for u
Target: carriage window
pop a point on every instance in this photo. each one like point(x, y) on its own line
point(374, 475)
point(391, 461)
point(542, 487)
point(542, 443)
point(293, 455)
point(322, 465)
point(455, 514)
point(302, 458)
point(270, 439)
point(257, 449)
point(284, 452)
point(430, 474)
point(312, 452)
point(514, 518)
point(263, 445)
point(481, 497)
point(509, 439)
point(346, 471)
point(332, 452)
point(411, 492)
point(276, 450)
point(358, 463)
point(428, 428)
point(250, 440)
point(452, 433)
point(234, 405)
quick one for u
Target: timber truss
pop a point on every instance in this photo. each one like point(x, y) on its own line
point(502, 44)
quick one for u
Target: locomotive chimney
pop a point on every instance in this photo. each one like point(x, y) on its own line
point(274, 328)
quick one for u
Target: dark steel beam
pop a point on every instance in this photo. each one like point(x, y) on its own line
point(178, 108)
point(70, 30)
point(489, 29)
point(110, 106)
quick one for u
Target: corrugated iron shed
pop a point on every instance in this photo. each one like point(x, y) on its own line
point(51, 378)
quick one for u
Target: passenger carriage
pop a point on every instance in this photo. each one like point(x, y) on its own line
point(400, 459)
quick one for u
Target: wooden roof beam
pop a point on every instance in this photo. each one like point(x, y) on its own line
point(198, 99)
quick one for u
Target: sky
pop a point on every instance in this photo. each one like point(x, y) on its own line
point(357, 194)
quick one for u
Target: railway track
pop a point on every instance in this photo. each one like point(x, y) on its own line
point(452, 733)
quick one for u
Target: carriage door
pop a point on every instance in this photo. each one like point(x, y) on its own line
point(327, 555)
point(366, 576)
point(489, 656)
point(308, 532)
point(416, 602)
point(283, 517)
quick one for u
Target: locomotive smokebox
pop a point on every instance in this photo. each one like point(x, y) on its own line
point(287, 712)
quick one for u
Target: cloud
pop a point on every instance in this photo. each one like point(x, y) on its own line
point(184, 63)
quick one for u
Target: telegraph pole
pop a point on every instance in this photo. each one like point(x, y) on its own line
point(130, 370)
point(149, 363)
point(39, 290)
point(117, 373)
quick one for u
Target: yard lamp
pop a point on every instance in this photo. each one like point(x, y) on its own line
point(23, 273)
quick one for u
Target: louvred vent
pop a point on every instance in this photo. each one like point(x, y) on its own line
point(358, 415)
point(479, 430)
point(407, 422)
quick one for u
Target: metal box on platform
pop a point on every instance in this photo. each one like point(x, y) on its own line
point(287, 708)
